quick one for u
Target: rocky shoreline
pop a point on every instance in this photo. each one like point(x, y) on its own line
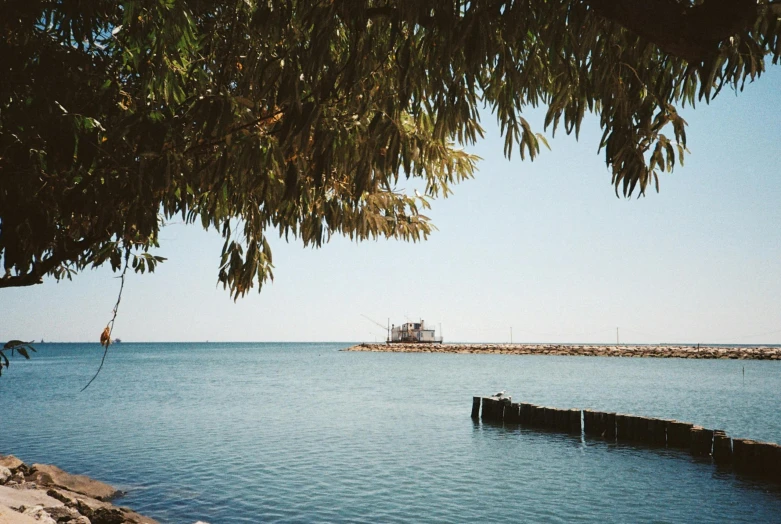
point(649, 351)
point(44, 494)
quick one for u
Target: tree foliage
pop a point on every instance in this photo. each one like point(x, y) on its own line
point(302, 117)
point(11, 348)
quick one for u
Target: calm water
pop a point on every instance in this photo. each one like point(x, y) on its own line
point(305, 433)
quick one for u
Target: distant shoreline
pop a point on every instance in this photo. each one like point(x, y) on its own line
point(584, 350)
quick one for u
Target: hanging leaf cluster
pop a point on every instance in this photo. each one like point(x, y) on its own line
point(12, 347)
point(304, 118)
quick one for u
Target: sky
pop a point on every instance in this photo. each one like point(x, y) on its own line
point(537, 251)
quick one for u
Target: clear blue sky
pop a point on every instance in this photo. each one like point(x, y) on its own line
point(544, 247)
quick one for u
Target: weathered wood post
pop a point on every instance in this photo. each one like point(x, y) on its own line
point(562, 420)
point(747, 456)
point(574, 421)
point(493, 409)
point(526, 412)
point(637, 428)
point(773, 464)
point(631, 422)
point(622, 427)
point(701, 441)
point(540, 412)
point(549, 417)
point(599, 424)
point(506, 403)
point(741, 454)
point(769, 458)
point(589, 422)
point(722, 447)
point(610, 425)
point(657, 431)
point(545, 415)
point(512, 413)
point(679, 434)
point(534, 417)
point(475, 407)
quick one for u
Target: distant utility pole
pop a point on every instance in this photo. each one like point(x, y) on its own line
point(511, 334)
point(617, 342)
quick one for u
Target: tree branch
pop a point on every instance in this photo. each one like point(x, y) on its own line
point(689, 32)
point(40, 269)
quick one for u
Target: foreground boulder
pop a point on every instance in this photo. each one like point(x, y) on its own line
point(44, 494)
point(9, 516)
point(52, 476)
point(11, 462)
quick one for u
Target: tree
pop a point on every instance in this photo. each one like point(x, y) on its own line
point(300, 117)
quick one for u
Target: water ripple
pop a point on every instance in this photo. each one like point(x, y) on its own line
point(305, 433)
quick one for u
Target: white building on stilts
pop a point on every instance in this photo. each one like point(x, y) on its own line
point(414, 332)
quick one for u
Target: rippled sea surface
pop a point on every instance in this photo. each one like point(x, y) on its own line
point(307, 433)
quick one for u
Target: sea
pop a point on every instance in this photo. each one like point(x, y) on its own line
point(306, 432)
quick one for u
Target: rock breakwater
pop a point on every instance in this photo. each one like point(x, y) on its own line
point(647, 351)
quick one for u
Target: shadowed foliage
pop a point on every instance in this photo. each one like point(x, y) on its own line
point(11, 348)
point(300, 118)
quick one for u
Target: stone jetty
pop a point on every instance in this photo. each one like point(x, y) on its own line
point(573, 350)
point(44, 494)
point(760, 459)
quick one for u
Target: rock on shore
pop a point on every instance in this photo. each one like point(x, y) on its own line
point(44, 494)
point(649, 351)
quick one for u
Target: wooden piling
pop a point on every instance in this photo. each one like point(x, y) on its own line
point(773, 464)
point(657, 431)
point(574, 421)
point(746, 456)
point(590, 423)
point(637, 428)
point(679, 434)
point(476, 407)
point(722, 448)
point(632, 427)
point(701, 441)
point(599, 424)
point(549, 417)
point(506, 402)
point(740, 454)
point(622, 426)
point(609, 425)
point(539, 416)
point(512, 413)
point(769, 457)
point(540, 412)
point(526, 413)
point(562, 420)
point(534, 416)
point(493, 409)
